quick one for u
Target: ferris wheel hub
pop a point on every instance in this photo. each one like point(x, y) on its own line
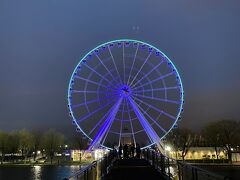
point(125, 91)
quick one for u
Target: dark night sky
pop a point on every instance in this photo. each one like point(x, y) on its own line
point(42, 41)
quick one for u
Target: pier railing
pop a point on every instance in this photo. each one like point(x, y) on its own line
point(171, 168)
point(95, 171)
point(178, 170)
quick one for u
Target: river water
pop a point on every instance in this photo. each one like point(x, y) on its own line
point(232, 172)
point(36, 172)
point(60, 172)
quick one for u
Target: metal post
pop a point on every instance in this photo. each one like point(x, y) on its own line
point(179, 171)
point(101, 168)
point(162, 164)
point(193, 177)
point(147, 154)
point(157, 161)
point(196, 174)
point(153, 160)
point(87, 174)
point(169, 174)
point(85, 178)
point(104, 165)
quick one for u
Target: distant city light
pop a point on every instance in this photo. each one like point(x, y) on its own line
point(168, 148)
point(99, 153)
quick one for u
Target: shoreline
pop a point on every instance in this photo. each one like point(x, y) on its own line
point(44, 164)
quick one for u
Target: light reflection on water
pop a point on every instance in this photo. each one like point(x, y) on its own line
point(173, 170)
point(36, 172)
point(66, 171)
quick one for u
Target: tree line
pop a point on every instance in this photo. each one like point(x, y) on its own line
point(28, 144)
point(221, 135)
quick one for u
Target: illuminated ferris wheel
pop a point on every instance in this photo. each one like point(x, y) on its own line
point(125, 91)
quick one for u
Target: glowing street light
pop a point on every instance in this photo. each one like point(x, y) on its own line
point(168, 148)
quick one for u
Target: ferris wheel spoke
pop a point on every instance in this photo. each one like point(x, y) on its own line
point(141, 68)
point(103, 131)
point(94, 92)
point(156, 89)
point(123, 66)
point(157, 79)
point(113, 60)
point(134, 59)
point(158, 99)
point(93, 112)
point(99, 122)
point(129, 116)
point(100, 60)
point(145, 112)
point(137, 132)
point(107, 80)
point(93, 101)
point(106, 134)
point(143, 77)
point(93, 82)
point(156, 109)
point(145, 124)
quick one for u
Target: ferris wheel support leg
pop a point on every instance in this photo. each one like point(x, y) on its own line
point(146, 125)
point(105, 127)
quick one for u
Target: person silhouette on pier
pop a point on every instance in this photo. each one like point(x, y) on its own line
point(132, 149)
point(120, 151)
point(138, 151)
point(125, 151)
